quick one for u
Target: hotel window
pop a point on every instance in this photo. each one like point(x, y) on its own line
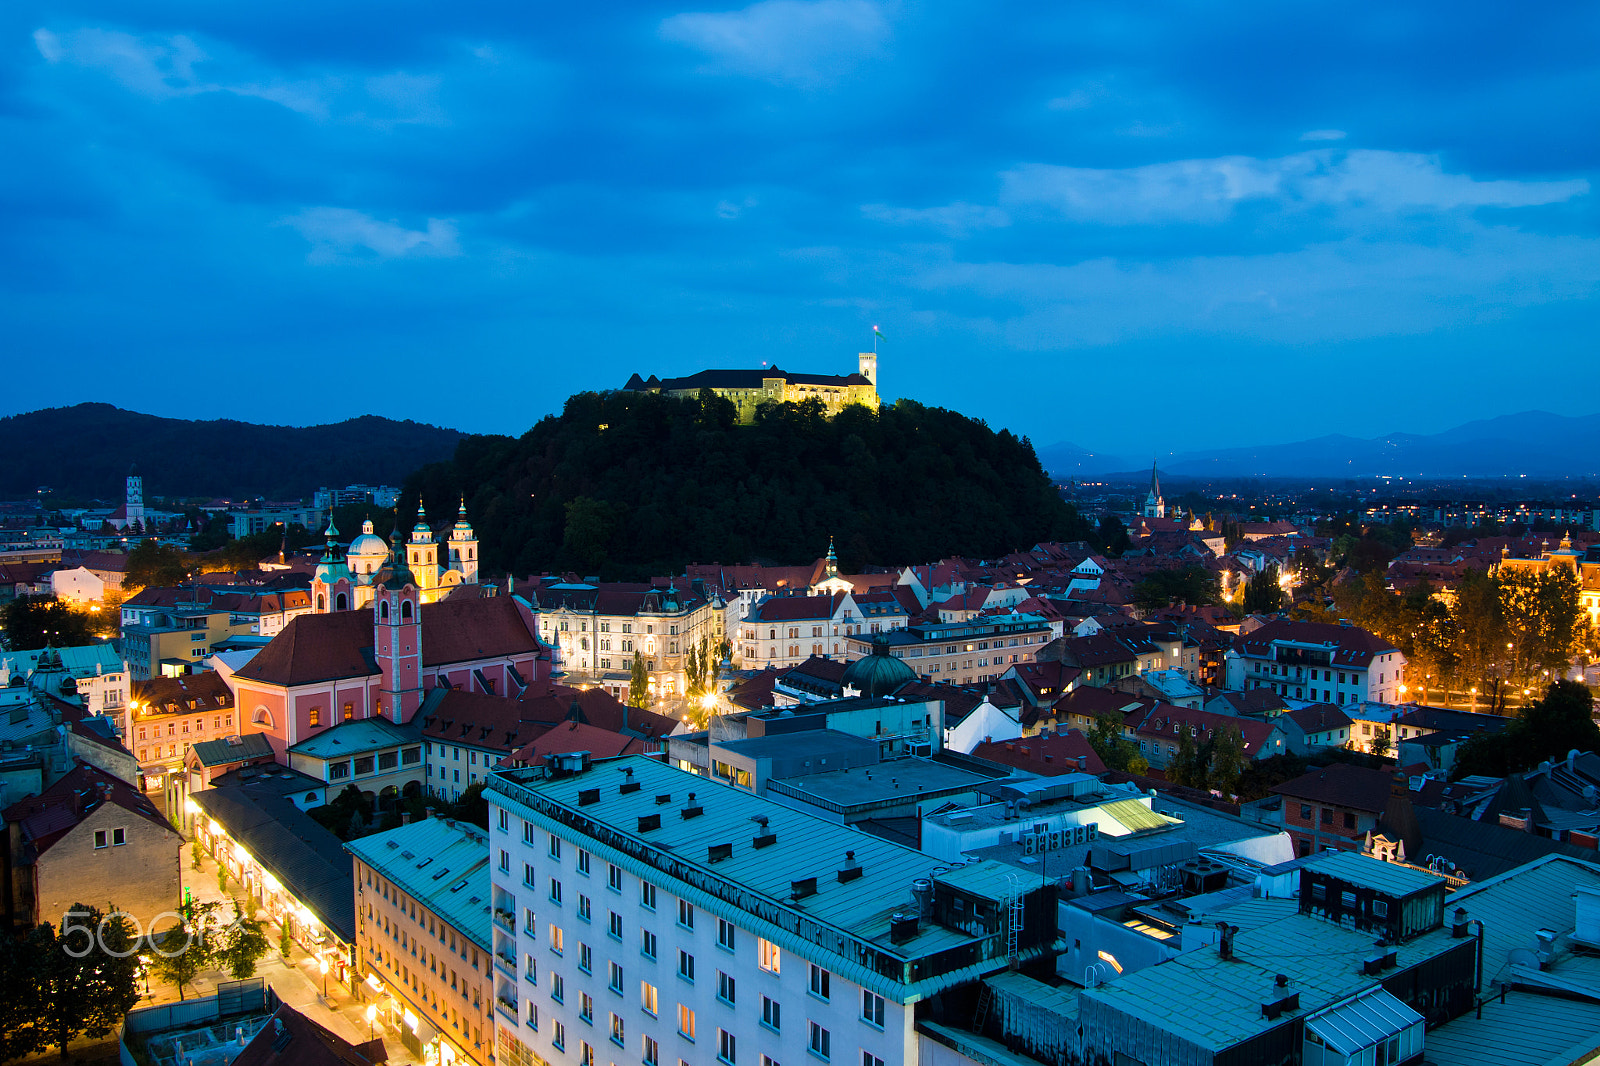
point(647, 895)
point(726, 1046)
point(769, 955)
point(685, 965)
point(583, 861)
point(647, 943)
point(558, 940)
point(616, 925)
point(725, 933)
point(725, 988)
point(558, 987)
point(820, 1041)
point(771, 1013)
point(616, 1029)
point(316, 719)
point(614, 877)
point(647, 997)
point(685, 1021)
point(555, 846)
point(686, 914)
point(585, 958)
point(820, 979)
point(558, 1037)
point(615, 983)
point(555, 892)
point(585, 908)
point(652, 1052)
point(586, 1007)
point(872, 1008)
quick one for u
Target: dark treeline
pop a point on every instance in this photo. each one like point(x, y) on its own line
point(624, 485)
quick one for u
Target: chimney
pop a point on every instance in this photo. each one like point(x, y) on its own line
point(1225, 944)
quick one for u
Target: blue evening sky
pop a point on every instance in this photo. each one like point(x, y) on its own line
point(1139, 227)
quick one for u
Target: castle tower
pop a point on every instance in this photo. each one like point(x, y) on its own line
point(464, 547)
point(869, 366)
point(1155, 506)
point(135, 497)
point(397, 644)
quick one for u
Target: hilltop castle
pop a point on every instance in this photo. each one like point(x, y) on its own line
point(749, 389)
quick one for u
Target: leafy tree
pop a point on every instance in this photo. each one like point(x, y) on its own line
point(1112, 536)
point(1543, 617)
point(87, 975)
point(1185, 767)
point(1262, 593)
point(1114, 749)
point(592, 525)
point(638, 684)
point(1556, 724)
point(1193, 585)
point(242, 945)
point(1228, 760)
point(153, 564)
point(1381, 743)
point(33, 622)
point(22, 959)
point(472, 806)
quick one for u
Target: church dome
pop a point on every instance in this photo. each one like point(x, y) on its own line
point(368, 551)
point(879, 673)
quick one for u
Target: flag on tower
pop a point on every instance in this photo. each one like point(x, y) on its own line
point(878, 333)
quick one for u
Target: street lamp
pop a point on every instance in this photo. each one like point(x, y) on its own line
point(144, 971)
point(323, 964)
point(372, 1016)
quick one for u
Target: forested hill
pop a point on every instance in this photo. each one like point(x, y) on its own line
point(625, 485)
point(84, 452)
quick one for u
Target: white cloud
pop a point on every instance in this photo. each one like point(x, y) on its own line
point(340, 232)
point(1323, 135)
point(1301, 296)
point(165, 68)
point(1207, 190)
point(957, 219)
point(798, 42)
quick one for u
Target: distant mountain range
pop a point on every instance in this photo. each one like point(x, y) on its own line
point(84, 452)
point(1535, 443)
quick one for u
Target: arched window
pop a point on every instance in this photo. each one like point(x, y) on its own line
point(383, 611)
point(311, 797)
point(322, 603)
point(339, 602)
point(262, 717)
point(405, 610)
point(469, 553)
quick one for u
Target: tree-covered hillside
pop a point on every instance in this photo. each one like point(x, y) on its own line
point(84, 452)
point(624, 485)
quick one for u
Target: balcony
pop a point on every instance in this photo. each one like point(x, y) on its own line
point(508, 1008)
point(506, 920)
point(506, 963)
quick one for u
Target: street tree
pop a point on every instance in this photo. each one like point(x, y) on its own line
point(89, 974)
point(1262, 593)
point(34, 622)
point(638, 683)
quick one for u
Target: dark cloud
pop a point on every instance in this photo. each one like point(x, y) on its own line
point(1087, 221)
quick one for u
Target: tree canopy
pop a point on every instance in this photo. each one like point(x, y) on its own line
point(1560, 722)
point(34, 622)
point(626, 484)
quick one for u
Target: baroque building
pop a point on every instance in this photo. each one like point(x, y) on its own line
point(347, 582)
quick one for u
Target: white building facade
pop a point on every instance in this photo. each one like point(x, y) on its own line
point(643, 914)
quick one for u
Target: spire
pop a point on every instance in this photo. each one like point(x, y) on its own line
point(400, 573)
point(330, 551)
point(831, 569)
point(1155, 481)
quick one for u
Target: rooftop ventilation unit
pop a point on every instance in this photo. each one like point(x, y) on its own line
point(806, 886)
point(851, 869)
point(588, 796)
point(648, 822)
point(718, 852)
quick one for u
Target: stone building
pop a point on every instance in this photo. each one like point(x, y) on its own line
point(749, 389)
point(93, 839)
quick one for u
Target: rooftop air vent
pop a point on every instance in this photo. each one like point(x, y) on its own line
point(648, 822)
point(665, 797)
point(588, 796)
point(806, 886)
point(718, 852)
point(851, 869)
point(628, 786)
point(692, 809)
point(902, 927)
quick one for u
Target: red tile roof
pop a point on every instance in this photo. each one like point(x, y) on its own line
point(578, 736)
point(1048, 756)
point(1342, 785)
point(322, 647)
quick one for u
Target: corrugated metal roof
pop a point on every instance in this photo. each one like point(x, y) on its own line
point(1537, 1030)
point(1387, 877)
point(1362, 1022)
point(441, 863)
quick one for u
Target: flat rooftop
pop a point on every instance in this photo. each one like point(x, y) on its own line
point(755, 881)
point(810, 744)
point(892, 783)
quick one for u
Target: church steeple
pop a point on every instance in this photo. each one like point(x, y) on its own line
point(830, 567)
point(1155, 506)
point(463, 545)
point(398, 638)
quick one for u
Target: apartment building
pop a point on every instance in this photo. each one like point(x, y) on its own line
point(1340, 664)
point(960, 653)
point(785, 631)
point(643, 914)
point(422, 936)
point(166, 715)
point(600, 627)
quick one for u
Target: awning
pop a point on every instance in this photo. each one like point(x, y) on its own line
point(1359, 1023)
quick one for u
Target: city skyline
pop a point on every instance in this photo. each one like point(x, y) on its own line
point(462, 219)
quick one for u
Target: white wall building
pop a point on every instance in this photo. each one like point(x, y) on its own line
point(643, 914)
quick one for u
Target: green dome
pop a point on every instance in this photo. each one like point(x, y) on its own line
point(878, 674)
